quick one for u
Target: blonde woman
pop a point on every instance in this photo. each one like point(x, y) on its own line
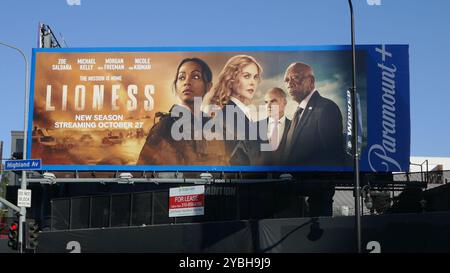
point(237, 84)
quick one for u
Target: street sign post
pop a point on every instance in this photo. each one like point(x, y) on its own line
point(23, 165)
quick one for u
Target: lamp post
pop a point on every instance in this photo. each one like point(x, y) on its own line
point(23, 186)
point(357, 192)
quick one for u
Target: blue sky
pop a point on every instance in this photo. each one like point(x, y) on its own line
point(114, 23)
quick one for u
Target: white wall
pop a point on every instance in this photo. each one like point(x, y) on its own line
point(432, 162)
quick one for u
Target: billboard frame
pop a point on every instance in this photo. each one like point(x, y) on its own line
point(201, 168)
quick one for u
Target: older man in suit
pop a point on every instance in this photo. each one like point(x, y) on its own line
point(315, 137)
point(277, 125)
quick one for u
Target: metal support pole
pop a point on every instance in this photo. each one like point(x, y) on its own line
point(10, 205)
point(23, 186)
point(355, 135)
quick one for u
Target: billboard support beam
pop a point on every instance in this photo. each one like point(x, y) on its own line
point(23, 184)
point(205, 180)
point(357, 193)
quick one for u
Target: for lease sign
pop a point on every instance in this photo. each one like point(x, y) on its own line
point(187, 201)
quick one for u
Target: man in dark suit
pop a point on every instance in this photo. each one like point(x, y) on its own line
point(315, 137)
point(277, 124)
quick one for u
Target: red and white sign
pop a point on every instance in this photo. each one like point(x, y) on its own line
point(187, 201)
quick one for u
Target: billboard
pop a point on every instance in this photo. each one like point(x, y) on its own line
point(218, 108)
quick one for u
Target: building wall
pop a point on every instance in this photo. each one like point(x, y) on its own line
point(432, 163)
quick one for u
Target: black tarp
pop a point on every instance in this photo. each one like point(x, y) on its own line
point(176, 238)
point(414, 233)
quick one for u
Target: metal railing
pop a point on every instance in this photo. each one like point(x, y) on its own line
point(429, 177)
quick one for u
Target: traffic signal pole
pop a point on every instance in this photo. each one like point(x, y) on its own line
point(23, 210)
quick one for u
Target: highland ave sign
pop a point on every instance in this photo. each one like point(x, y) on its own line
point(23, 165)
